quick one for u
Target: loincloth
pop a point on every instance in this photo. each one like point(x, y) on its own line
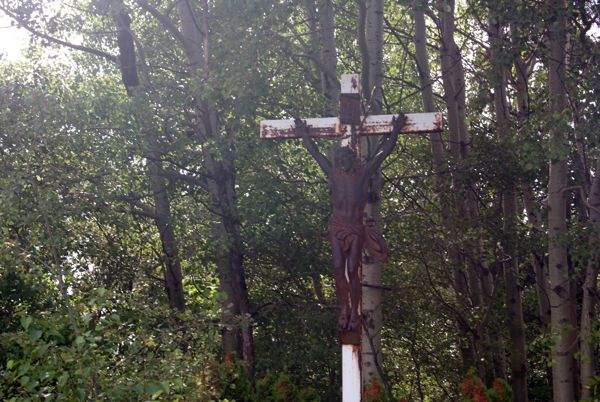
point(364, 235)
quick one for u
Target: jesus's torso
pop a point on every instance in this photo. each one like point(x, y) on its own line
point(349, 191)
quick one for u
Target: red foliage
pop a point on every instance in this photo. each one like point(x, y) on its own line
point(373, 391)
point(500, 387)
point(229, 357)
point(473, 388)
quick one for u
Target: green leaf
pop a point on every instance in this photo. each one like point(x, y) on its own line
point(80, 340)
point(66, 356)
point(62, 380)
point(41, 350)
point(23, 368)
point(26, 321)
point(34, 335)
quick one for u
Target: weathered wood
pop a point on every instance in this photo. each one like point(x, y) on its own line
point(350, 109)
point(371, 125)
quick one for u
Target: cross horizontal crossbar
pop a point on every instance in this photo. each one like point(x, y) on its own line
point(372, 125)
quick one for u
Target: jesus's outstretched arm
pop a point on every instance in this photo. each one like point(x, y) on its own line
point(301, 130)
point(388, 145)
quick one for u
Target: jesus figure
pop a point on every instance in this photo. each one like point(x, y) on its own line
point(349, 235)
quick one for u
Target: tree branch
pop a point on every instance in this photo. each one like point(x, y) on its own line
point(166, 22)
point(57, 41)
point(143, 209)
point(173, 174)
point(583, 197)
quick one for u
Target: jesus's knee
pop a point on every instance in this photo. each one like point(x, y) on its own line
point(353, 265)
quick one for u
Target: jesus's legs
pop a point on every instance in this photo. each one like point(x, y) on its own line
point(342, 287)
point(353, 259)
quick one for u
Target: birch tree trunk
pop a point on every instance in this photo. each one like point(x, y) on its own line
point(467, 275)
point(514, 306)
point(329, 82)
point(538, 261)
point(588, 361)
point(442, 188)
point(561, 297)
point(437, 146)
point(372, 57)
point(533, 212)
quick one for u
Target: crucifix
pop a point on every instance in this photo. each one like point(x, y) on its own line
point(349, 180)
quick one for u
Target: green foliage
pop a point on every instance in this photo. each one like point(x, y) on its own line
point(231, 383)
point(109, 354)
point(83, 309)
point(595, 387)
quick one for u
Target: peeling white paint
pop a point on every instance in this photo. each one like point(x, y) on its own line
point(371, 125)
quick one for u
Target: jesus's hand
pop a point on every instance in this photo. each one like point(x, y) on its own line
point(301, 128)
point(398, 122)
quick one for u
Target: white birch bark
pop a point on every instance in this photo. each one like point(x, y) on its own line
point(372, 298)
point(467, 282)
point(329, 82)
point(588, 361)
point(561, 297)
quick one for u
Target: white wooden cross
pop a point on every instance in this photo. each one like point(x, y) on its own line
point(350, 121)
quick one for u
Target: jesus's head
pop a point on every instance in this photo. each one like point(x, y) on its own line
point(344, 158)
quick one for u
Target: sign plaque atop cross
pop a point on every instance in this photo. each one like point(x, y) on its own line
point(348, 178)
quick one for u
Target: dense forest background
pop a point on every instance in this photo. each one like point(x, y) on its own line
point(153, 247)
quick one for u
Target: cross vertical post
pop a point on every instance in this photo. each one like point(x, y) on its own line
point(350, 116)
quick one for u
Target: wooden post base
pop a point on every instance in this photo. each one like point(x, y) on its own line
point(351, 381)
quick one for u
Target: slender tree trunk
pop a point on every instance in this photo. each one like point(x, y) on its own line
point(230, 334)
point(374, 40)
point(329, 81)
point(437, 146)
point(371, 19)
point(460, 277)
point(220, 185)
point(164, 223)
point(469, 272)
point(322, 49)
point(514, 306)
point(229, 249)
point(588, 361)
point(561, 297)
point(442, 189)
point(540, 266)
point(162, 207)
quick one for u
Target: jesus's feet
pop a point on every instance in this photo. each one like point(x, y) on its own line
point(343, 321)
point(354, 323)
